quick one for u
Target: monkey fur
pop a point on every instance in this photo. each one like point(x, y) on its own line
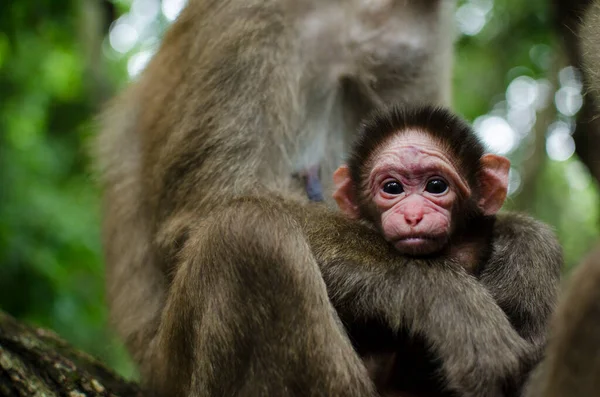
point(590, 46)
point(223, 279)
point(571, 367)
point(476, 182)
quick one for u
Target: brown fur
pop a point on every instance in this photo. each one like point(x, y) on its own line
point(221, 278)
point(572, 365)
point(590, 49)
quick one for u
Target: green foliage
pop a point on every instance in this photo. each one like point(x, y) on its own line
point(567, 202)
point(51, 270)
point(519, 40)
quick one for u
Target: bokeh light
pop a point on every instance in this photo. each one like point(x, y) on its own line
point(172, 8)
point(123, 36)
point(568, 100)
point(522, 92)
point(560, 145)
point(496, 133)
point(136, 34)
point(138, 62)
point(472, 16)
point(144, 11)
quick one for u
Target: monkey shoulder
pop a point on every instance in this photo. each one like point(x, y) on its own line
point(514, 225)
point(521, 237)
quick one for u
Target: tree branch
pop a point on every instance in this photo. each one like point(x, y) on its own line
point(36, 362)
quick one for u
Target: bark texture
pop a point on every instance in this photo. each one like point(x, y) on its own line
point(36, 362)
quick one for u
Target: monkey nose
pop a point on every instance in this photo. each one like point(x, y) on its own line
point(413, 219)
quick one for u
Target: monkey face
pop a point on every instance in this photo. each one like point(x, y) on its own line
point(414, 186)
point(414, 192)
point(415, 224)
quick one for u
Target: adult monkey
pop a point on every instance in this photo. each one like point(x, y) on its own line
point(221, 277)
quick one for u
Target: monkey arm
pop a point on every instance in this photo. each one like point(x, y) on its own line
point(368, 279)
point(523, 273)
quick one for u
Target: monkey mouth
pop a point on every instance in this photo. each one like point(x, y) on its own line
point(419, 244)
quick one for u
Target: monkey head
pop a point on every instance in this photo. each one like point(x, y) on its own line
point(421, 176)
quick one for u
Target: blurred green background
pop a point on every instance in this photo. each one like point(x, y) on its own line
point(60, 60)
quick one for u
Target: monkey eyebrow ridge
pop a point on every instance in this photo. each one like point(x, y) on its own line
point(391, 167)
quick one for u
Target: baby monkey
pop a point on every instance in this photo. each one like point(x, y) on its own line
point(422, 177)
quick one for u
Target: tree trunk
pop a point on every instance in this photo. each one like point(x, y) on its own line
point(36, 362)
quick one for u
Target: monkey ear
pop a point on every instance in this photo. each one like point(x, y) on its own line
point(494, 183)
point(343, 194)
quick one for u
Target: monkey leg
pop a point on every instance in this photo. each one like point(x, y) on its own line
point(247, 314)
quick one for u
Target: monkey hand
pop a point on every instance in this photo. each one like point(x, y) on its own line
point(481, 353)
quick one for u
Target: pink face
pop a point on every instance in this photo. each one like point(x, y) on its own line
point(414, 185)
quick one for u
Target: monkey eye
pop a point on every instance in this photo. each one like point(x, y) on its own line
point(436, 186)
point(393, 187)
